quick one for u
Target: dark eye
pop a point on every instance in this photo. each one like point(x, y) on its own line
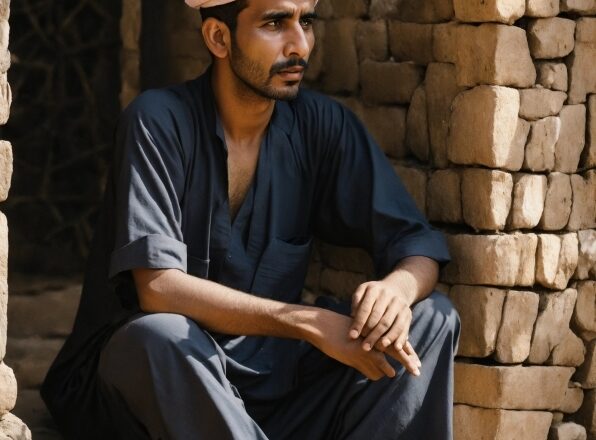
point(273, 24)
point(306, 22)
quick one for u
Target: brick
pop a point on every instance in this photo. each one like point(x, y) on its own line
point(557, 202)
point(556, 259)
point(382, 9)
point(4, 9)
point(445, 42)
point(586, 262)
point(5, 99)
point(529, 191)
point(8, 385)
point(341, 65)
point(486, 198)
point(584, 315)
point(572, 139)
point(584, 7)
point(389, 83)
point(572, 400)
point(586, 415)
point(523, 388)
point(417, 136)
point(540, 149)
point(443, 202)
point(411, 42)
point(388, 126)
point(499, 260)
point(484, 128)
point(341, 283)
point(372, 40)
point(502, 11)
point(570, 352)
point(426, 11)
point(551, 37)
point(31, 358)
point(5, 61)
point(494, 54)
point(542, 8)
point(441, 89)
point(3, 316)
point(567, 431)
point(5, 169)
point(317, 57)
point(539, 103)
point(583, 210)
point(552, 75)
point(581, 62)
point(586, 374)
point(480, 310)
point(354, 8)
point(325, 9)
point(554, 314)
point(130, 25)
point(346, 259)
point(517, 323)
point(414, 179)
point(14, 428)
point(3, 247)
point(588, 157)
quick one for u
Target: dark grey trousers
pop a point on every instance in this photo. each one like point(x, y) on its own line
point(168, 379)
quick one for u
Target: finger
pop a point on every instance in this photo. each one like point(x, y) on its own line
point(410, 351)
point(407, 361)
point(362, 313)
point(391, 334)
point(403, 320)
point(377, 314)
point(384, 365)
point(357, 298)
point(384, 324)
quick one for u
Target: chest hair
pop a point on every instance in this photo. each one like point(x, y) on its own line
point(242, 165)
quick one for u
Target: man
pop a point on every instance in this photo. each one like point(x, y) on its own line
point(190, 324)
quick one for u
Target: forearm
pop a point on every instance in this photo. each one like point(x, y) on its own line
point(415, 277)
point(222, 309)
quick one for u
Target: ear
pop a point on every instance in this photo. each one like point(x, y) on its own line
point(217, 37)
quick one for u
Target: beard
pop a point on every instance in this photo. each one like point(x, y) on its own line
point(256, 79)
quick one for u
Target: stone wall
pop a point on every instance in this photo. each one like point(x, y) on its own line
point(488, 111)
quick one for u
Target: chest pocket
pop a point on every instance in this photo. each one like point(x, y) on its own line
point(197, 267)
point(281, 271)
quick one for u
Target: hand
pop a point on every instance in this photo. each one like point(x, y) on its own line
point(382, 317)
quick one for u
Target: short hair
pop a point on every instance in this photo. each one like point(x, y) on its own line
point(227, 13)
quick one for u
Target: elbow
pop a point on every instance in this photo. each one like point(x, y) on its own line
point(151, 287)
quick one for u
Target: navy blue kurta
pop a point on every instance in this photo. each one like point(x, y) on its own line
point(319, 174)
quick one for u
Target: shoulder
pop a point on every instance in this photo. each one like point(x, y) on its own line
point(161, 104)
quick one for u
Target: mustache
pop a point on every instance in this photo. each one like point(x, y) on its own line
point(292, 62)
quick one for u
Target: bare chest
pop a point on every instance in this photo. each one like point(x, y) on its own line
point(242, 166)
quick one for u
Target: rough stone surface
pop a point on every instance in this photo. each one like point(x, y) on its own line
point(486, 198)
point(586, 415)
point(570, 352)
point(5, 169)
point(502, 11)
point(354, 8)
point(417, 136)
point(567, 431)
point(557, 203)
point(584, 315)
point(583, 210)
point(480, 310)
point(554, 314)
point(552, 75)
point(581, 62)
point(573, 398)
point(551, 37)
point(542, 8)
point(414, 179)
point(8, 385)
point(496, 424)
point(500, 260)
point(517, 323)
point(494, 54)
point(3, 316)
point(372, 40)
point(588, 158)
point(529, 191)
point(13, 428)
point(411, 42)
point(341, 66)
point(483, 128)
point(387, 124)
point(441, 89)
point(389, 83)
point(585, 7)
point(556, 259)
point(30, 358)
point(540, 149)
point(534, 388)
point(346, 259)
point(445, 42)
point(444, 197)
point(586, 374)
point(341, 283)
point(586, 263)
point(572, 138)
point(5, 99)
point(539, 103)
point(427, 11)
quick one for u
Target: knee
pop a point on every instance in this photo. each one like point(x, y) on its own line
point(441, 315)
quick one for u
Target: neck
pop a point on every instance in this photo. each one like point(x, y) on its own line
point(244, 114)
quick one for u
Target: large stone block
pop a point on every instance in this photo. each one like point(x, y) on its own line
point(486, 198)
point(480, 310)
point(499, 260)
point(494, 54)
point(441, 89)
point(573, 399)
point(317, 57)
point(389, 83)
point(539, 103)
point(570, 352)
point(572, 138)
point(584, 315)
point(555, 310)
point(517, 323)
point(584, 7)
point(581, 62)
point(5, 99)
point(414, 179)
point(557, 202)
point(542, 8)
point(130, 25)
point(411, 42)
point(484, 128)
point(445, 43)
point(5, 169)
point(529, 191)
point(502, 11)
point(586, 262)
point(425, 11)
point(346, 259)
point(417, 136)
point(372, 40)
point(525, 388)
point(4, 9)
point(387, 124)
point(567, 431)
point(3, 315)
point(8, 385)
point(354, 8)
point(471, 423)
point(551, 37)
point(588, 157)
point(583, 210)
point(556, 259)
point(540, 149)
point(381, 9)
point(13, 428)
point(30, 358)
point(586, 415)
point(586, 374)
point(443, 200)
point(552, 75)
point(341, 66)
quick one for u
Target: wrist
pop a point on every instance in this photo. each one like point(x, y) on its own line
point(303, 322)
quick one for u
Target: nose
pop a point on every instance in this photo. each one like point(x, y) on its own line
point(298, 44)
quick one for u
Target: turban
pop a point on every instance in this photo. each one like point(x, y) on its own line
point(208, 3)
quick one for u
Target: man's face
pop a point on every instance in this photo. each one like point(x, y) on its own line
point(271, 46)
